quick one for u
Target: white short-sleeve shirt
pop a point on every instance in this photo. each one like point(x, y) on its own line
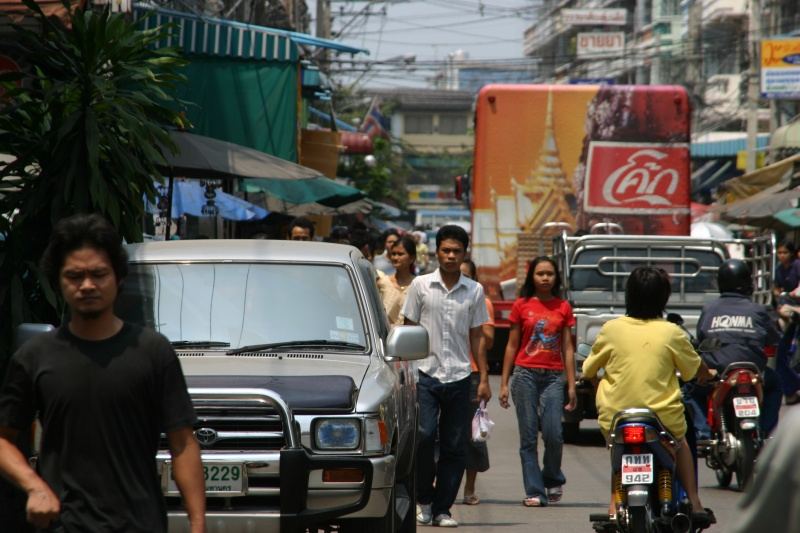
point(448, 315)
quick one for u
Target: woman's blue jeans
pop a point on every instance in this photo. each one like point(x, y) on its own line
point(538, 396)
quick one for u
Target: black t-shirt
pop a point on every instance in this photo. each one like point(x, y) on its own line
point(102, 405)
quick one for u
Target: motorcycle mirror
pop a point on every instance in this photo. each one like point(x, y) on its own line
point(675, 318)
point(583, 350)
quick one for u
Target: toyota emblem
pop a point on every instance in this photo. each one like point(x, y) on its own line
point(206, 436)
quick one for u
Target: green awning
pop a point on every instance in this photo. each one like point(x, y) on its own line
point(196, 34)
point(303, 191)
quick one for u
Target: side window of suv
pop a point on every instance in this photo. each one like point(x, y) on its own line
point(368, 275)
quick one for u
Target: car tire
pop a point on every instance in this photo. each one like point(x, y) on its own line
point(401, 514)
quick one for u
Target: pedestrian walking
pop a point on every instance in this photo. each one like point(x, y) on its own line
point(393, 288)
point(381, 258)
point(541, 353)
point(103, 390)
point(477, 451)
point(452, 309)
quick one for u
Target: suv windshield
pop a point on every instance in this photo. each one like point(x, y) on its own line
point(243, 304)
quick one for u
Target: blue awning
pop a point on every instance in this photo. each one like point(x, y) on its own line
point(197, 34)
point(724, 143)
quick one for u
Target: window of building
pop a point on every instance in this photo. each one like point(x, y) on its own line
point(453, 124)
point(418, 124)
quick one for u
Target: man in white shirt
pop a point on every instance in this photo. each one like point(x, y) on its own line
point(452, 308)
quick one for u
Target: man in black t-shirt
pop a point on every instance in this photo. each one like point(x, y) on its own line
point(103, 391)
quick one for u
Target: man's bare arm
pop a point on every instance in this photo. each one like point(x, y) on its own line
point(188, 472)
point(43, 505)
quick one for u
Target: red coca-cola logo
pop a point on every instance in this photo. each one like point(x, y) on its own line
point(637, 178)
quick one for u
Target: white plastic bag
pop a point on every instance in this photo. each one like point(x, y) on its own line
point(481, 423)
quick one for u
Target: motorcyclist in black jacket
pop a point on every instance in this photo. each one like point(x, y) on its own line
point(746, 331)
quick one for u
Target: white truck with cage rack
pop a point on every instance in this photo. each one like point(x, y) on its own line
point(595, 268)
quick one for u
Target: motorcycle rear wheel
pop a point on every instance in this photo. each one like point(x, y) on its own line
point(638, 520)
point(723, 477)
point(745, 460)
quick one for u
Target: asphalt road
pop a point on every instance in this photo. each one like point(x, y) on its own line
point(586, 466)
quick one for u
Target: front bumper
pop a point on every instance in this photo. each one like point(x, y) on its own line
point(284, 490)
point(298, 499)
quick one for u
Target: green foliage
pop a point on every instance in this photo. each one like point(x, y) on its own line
point(85, 126)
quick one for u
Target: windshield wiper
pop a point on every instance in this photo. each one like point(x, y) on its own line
point(199, 344)
point(295, 344)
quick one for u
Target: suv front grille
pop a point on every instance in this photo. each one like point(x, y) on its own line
point(241, 428)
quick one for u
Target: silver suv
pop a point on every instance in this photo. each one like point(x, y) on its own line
point(306, 399)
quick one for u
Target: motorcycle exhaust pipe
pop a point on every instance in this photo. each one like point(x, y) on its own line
point(681, 523)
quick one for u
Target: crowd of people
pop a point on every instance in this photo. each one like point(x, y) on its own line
point(639, 352)
point(538, 373)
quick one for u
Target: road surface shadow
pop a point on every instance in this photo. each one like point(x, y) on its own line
point(589, 437)
point(518, 503)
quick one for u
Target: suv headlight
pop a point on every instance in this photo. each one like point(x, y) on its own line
point(337, 433)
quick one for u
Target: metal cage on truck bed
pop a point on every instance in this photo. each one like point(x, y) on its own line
point(595, 269)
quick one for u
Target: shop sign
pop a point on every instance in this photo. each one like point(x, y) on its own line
point(780, 68)
point(604, 44)
point(594, 17)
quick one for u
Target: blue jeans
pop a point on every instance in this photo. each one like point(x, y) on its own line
point(697, 401)
point(538, 396)
point(445, 407)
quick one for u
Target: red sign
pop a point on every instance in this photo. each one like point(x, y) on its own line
point(645, 178)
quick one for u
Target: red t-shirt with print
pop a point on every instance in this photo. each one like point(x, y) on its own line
point(541, 325)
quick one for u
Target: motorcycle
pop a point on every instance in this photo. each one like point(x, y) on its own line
point(648, 495)
point(734, 407)
point(732, 413)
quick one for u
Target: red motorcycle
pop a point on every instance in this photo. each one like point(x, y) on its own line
point(733, 410)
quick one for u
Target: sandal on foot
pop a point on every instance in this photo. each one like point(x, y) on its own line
point(554, 494)
point(471, 499)
point(532, 502)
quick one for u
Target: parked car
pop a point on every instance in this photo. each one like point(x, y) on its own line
point(305, 398)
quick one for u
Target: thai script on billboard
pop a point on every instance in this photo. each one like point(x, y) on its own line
point(606, 44)
point(780, 68)
point(594, 17)
point(637, 177)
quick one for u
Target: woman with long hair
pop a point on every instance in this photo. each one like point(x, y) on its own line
point(393, 288)
point(542, 356)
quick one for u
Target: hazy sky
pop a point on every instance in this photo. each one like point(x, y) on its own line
point(429, 30)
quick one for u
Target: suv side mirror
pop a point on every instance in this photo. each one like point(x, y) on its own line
point(26, 331)
point(407, 343)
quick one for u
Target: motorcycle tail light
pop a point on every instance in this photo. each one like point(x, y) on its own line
point(743, 378)
point(633, 434)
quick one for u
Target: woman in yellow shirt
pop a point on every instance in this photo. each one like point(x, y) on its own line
point(640, 353)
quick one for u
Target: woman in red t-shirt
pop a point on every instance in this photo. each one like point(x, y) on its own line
point(541, 353)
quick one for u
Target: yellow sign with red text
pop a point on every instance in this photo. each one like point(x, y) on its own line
point(780, 68)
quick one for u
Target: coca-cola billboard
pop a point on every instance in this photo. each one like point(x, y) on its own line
point(629, 178)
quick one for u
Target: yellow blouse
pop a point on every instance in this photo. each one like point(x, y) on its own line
point(640, 358)
point(393, 297)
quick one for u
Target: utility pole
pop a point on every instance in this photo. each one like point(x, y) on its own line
point(695, 74)
point(324, 32)
point(753, 84)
